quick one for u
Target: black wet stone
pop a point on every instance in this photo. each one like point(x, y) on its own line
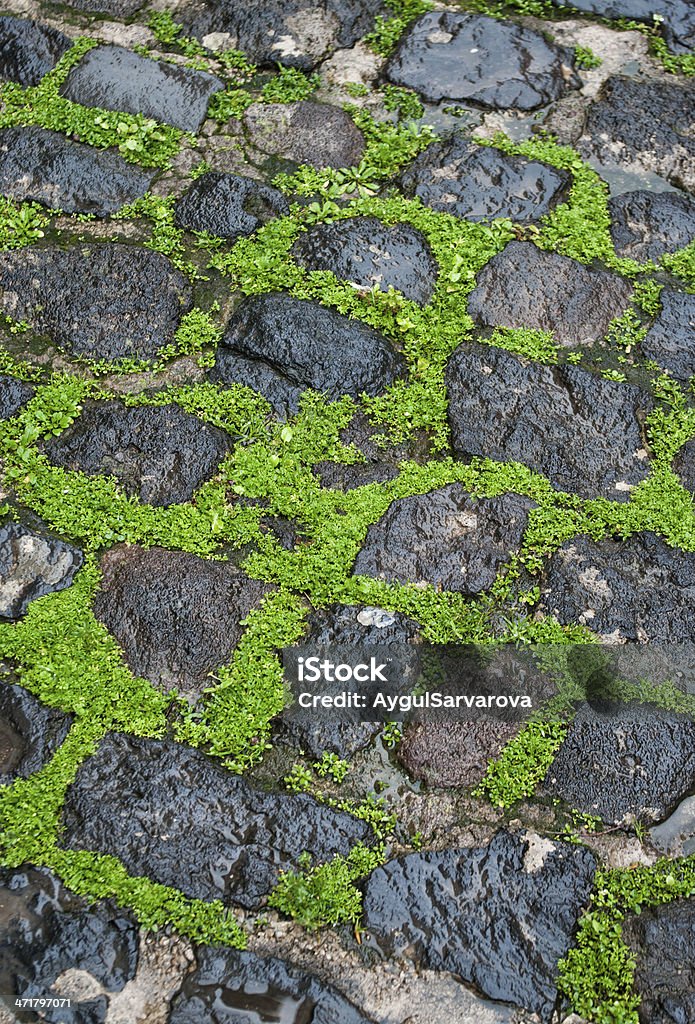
point(47, 930)
point(632, 764)
point(160, 454)
point(48, 168)
point(663, 941)
point(478, 182)
point(493, 63)
point(381, 463)
point(305, 133)
point(644, 124)
point(118, 9)
point(670, 342)
point(677, 17)
point(645, 225)
point(228, 205)
point(29, 50)
point(525, 287)
point(251, 987)
point(30, 732)
point(580, 431)
point(175, 616)
point(622, 588)
point(185, 821)
point(13, 395)
point(32, 565)
point(445, 538)
point(102, 300)
point(281, 346)
point(329, 629)
point(113, 78)
point(367, 253)
point(499, 916)
point(684, 465)
point(296, 33)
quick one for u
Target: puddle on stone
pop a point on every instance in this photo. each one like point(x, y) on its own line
point(265, 1004)
point(620, 180)
point(676, 835)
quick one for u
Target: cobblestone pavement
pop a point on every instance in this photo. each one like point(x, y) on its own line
point(346, 322)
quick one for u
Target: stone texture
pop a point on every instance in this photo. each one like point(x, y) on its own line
point(160, 454)
point(676, 835)
point(580, 431)
point(280, 346)
point(32, 565)
point(663, 940)
point(176, 616)
point(367, 253)
point(47, 930)
point(513, 67)
point(500, 916)
point(296, 33)
point(620, 589)
point(632, 764)
point(677, 16)
point(644, 125)
point(113, 78)
point(381, 463)
point(46, 167)
point(101, 300)
point(684, 465)
point(253, 987)
point(29, 50)
point(671, 340)
point(525, 287)
point(30, 732)
point(185, 821)
point(329, 629)
point(443, 754)
point(645, 225)
point(445, 538)
point(479, 183)
point(118, 9)
point(228, 205)
point(305, 133)
point(13, 395)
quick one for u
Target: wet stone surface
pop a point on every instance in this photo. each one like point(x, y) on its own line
point(329, 629)
point(478, 182)
point(443, 754)
point(160, 454)
point(525, 287)
point(47, 168)
point(296, 33)
point(367, 253)
point(677, 17)
point(644, 126)
point(47, 930)
point(684, 465)
point(32, 565)
point(185, 821)
point(381, 463)
point(645, 225)
point(228, 205)
point(113, 78)
point(13, 395)
point(30, 732)
point(580, 431)
point(663, 939)
point(619, 589)
point(103, 301)
point(176, 616)
point(116, 8)
point(29, 50)
point(513, 67)
point(445, 538)
point(305, 133)
point(500, 916)
point(281, 346)
point(626, 764)
point(670, 342)
point(252, 988)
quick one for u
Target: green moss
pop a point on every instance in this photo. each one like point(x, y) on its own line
point(289, 86)
point(523, 763)
point(584, 57)
point(387, 31)
point(139, 139)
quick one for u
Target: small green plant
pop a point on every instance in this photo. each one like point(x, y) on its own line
point(586, 58)
point(20, 224)
point(289, 85)
point(356, 89)
point(405, 101)
point(230, 104)
point(299, 780)
point(331, 765)
point(392, 734)
point(387, 31)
